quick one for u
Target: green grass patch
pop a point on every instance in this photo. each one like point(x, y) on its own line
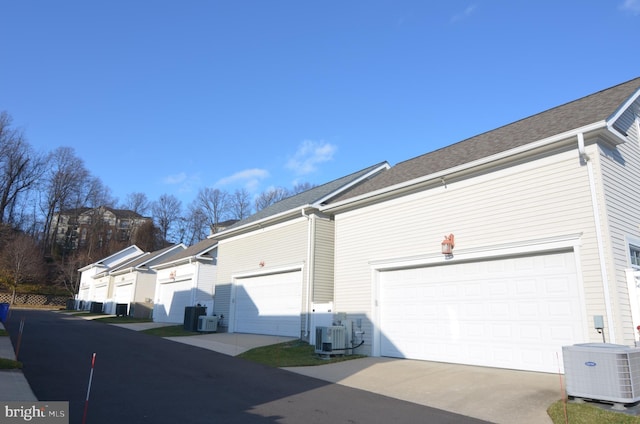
point(9, 364)
point(88, 314)
point(296, 353)
point(584, 413)
point(3, 333)
point(121, 320)
point(170, 331)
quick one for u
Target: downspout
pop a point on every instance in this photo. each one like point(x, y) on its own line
point(310, 247)
point(196, 276)
point(598, 227)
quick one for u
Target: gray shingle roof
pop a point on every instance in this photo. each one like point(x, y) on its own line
point(193, 250)
point(148, 257)
point(306, 198)
point(594, 108)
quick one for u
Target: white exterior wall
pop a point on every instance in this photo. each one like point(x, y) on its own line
point(87, 283)
point(145, 287)
point(620, 169)
point(543, 198)
point(276, 247)
point(205, 286)
point(323, 262)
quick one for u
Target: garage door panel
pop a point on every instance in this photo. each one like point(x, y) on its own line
point(173, 298)
point(512, 313)
point(101, 293)
point(123, 293)
point(269, 304)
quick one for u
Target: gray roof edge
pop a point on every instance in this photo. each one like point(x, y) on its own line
point(308, 199)
point(99, 262)
point(192, 252)
point(372, 171)
point(590, 111)
point(150, 256)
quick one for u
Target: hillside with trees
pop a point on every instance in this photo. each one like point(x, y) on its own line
point(41, 252)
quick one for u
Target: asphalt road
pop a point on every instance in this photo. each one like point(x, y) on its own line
point(140, 378)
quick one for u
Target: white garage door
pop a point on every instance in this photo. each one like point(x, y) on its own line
point(173, 298)
point(509, 313)
point(101, 293)
point(123, 293)
point(269, 304)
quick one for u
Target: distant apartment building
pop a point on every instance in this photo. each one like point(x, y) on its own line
point(75, 228)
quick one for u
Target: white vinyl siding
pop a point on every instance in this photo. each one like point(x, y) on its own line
point(280, 245)
point(620, 170)
point(145, 287)
point(323, 261)
point(205, 286)
point(547, 197)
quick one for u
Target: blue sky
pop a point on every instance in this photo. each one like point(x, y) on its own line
point(168, 97)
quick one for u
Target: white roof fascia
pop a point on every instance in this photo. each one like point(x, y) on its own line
point(351, 184)
point(188, 259)
point(127, 270)
point(98, 263)
point(469, 165)
point(618, 113)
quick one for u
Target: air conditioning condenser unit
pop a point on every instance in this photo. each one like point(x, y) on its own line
point(208, 324)
point(602, 371)
point(332, 339)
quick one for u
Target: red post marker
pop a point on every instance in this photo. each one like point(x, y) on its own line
point(86, 402)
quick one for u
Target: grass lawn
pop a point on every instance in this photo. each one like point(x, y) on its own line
point(85, 314)
point(3, 333)
point(121, 320)
point(296, 353)
point(584, 413)
point(170, 331)
point(9, 364)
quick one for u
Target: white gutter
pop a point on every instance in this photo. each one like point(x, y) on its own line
point(502, 155)
point(598, 227)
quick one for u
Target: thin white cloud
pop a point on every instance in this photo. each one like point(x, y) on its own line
point(309, 155)
point(464, 15)
point(632, 6)
point(183, 182)
point(249, 178)
point(175, 179)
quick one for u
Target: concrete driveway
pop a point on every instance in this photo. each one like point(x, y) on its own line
point(490, 394)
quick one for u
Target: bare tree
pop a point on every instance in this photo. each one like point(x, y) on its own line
point(62, 182)
point(214, 204)
point(138, 203)
point(147, 237)
point(196, 225)
point(20, 168)
point(166, 213)
point(94, 194)
point(269, 197)
point(300, 187)
point(21, 261)
point(68, 274)
point(240, 204)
